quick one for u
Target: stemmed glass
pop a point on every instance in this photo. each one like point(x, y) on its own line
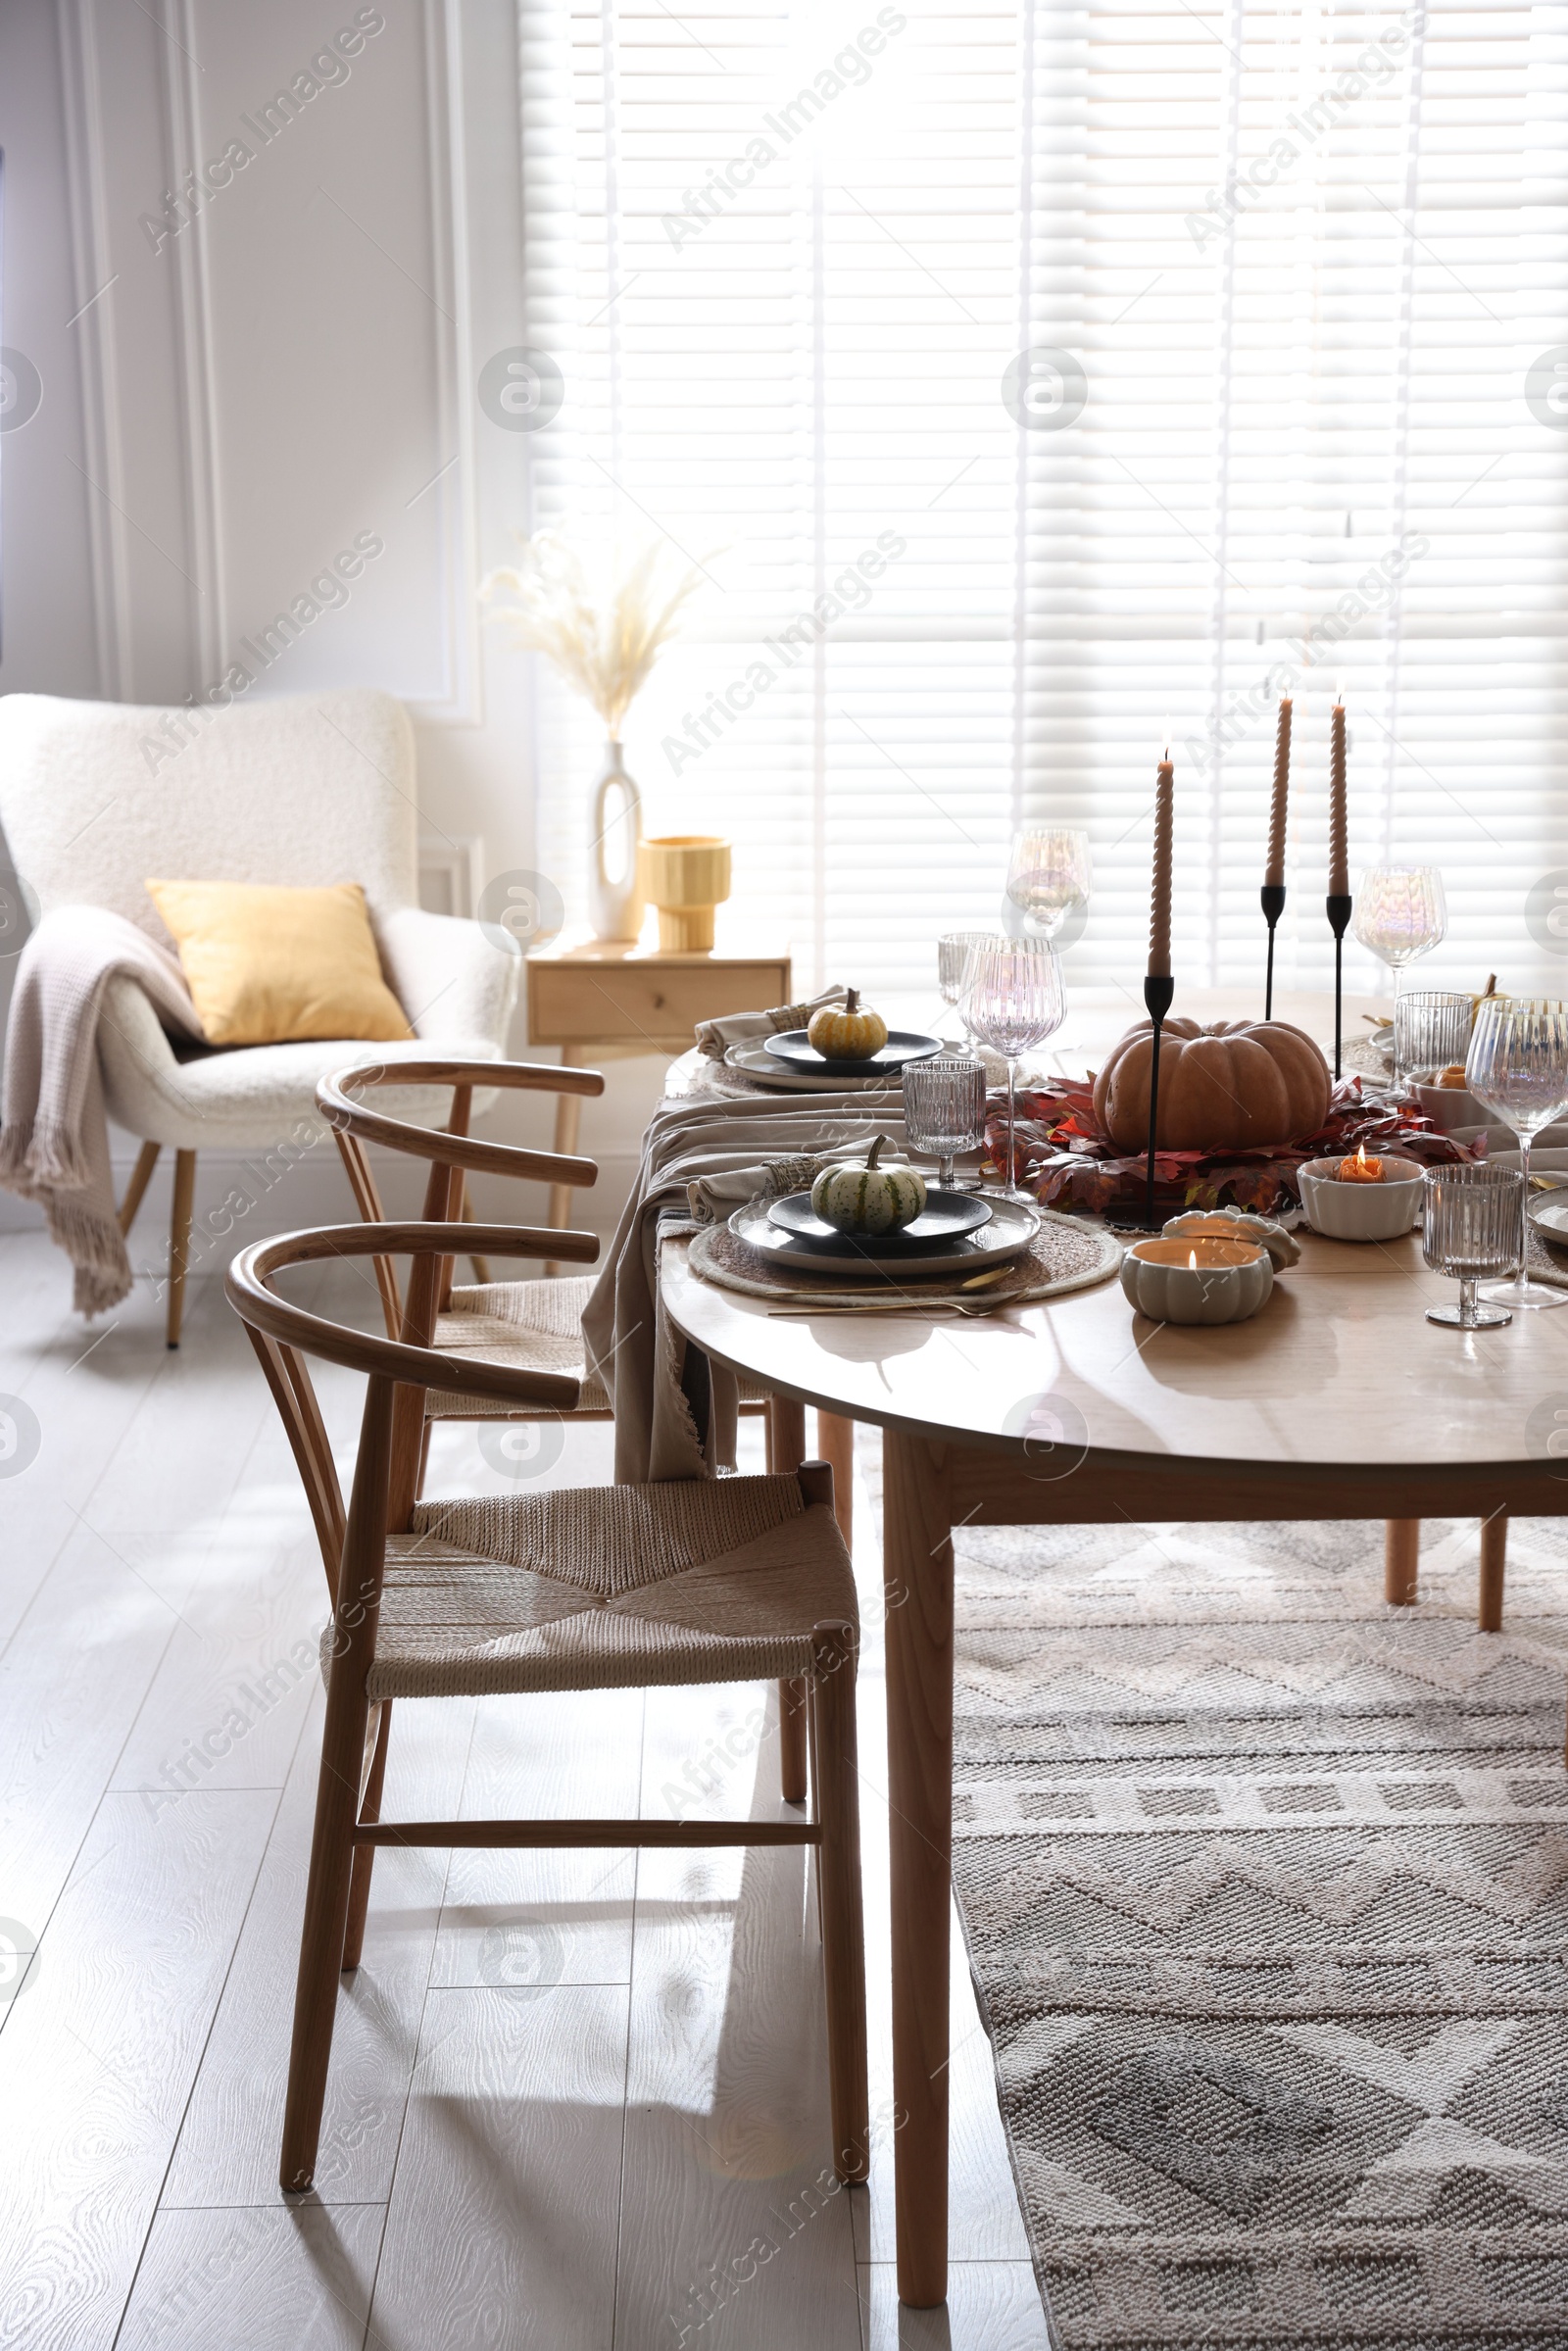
point(1400, 912)
point(1013, 1000)
point(1431, 1031)
point(944, 1109)
point(1518, 1069)
point(953, 955)
point(1048, 876)
point(1472, 1228)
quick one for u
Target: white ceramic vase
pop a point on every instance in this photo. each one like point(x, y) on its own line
point(616, 903)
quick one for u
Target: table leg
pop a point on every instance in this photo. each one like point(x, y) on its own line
point(1494, 1555)
point(835, 1443)
point(568, 1121)
point(1401, 1552)
point(917, 1566)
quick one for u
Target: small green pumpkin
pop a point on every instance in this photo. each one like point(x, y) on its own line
point(868, 1198)
point(847, 1031)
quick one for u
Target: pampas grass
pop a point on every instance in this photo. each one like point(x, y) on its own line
point(603, 646)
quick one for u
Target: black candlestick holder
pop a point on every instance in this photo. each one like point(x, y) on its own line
point(1273, 894)
point(1339, 913)
point(1157, 993)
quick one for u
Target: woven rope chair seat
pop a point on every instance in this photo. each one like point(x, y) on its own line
point(528, 1326)
point(607, 1588)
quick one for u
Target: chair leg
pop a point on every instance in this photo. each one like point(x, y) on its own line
point(1493, 1557)
point(364, 1855)
point(568, 1125)
point(839, 1881)
point(786, 1450)
point(136, 1191)
point(793, 1701)
point(323, 1943)
point(179, 1240)
point(482, 1265)
point(1402, 1550)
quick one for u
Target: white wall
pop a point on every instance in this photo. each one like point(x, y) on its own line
point(296, 365)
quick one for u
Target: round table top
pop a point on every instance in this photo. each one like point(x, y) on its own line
point(1340, 1368)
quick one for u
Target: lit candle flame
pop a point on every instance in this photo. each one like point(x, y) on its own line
point(1191, 1260)
point(1360, 1156)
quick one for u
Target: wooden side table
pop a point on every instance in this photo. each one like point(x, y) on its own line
point(600, 1001)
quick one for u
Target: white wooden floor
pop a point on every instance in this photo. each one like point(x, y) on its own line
point(577, 2102)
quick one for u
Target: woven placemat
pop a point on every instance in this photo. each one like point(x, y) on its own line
point(1067, 1254)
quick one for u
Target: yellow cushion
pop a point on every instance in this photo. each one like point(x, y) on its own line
point(268, 966)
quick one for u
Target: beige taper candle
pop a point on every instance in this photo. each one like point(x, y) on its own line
point(1338, 861)
point(1159, 905)
point(1274, 870)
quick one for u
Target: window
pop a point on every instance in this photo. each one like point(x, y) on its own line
point(1025, 375)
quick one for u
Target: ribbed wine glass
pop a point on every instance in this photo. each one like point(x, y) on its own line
point(1013, 1000)
point(1518, 1069)
point(1047, 875)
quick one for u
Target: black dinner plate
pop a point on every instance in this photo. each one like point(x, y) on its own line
point(944, 1218)
point(796, 1050)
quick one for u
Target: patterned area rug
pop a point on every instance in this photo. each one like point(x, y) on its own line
point(1266, 1892)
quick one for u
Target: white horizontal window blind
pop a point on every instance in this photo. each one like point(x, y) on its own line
point(1026, 376)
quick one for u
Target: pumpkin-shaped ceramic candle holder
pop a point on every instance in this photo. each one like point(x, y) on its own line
point(685, 875)
point(1197, 1279)
point(1348, 1210)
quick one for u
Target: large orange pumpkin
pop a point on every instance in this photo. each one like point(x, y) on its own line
point(1238, 1085)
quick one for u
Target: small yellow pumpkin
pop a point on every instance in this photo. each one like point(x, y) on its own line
point(863, 1198)
point(847, 1031)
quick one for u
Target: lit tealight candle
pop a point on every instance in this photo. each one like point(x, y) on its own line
point(1197, 1280)
point(1361, 1169)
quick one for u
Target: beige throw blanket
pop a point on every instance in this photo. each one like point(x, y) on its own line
point(54, 1146)
point(702, 1158)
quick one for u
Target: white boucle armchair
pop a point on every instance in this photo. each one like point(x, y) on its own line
point(98, 798)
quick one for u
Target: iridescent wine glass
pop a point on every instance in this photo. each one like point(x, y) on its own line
point(1013, 1000)
point(1400, 913)
point(1048, 876)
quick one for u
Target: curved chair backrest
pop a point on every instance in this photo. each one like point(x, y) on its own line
point(450, 1150)
point(303, 789)
point(284, 1334)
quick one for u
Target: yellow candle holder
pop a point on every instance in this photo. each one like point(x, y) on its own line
point(685, 875)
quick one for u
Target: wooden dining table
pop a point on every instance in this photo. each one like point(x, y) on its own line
point(1338, 1401)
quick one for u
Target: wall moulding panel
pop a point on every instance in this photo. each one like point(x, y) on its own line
point(274, 359)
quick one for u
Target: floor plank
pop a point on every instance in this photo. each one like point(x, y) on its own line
point(734, 2230)
point(288, 2279)
point(229, 2144)
point(991, 2306)
point(546, 1917)
point(502, 2225)
point(98, 2057)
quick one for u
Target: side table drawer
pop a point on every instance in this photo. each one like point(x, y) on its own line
point(662, 1004)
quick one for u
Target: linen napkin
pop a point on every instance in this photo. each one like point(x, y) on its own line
point(675, 1413)
point(716, 1037)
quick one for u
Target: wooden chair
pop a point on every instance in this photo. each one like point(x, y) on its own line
point(1401, 1551)
point(534, 1325)
point(716, 1579)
